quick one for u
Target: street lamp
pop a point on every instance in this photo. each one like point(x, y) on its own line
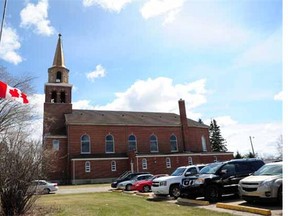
point(252, 145)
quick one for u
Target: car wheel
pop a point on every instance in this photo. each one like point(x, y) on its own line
point(128, 187)
point(174, 191)
point(146, 188)
point(46, 191)
point(280, 195)
point(212, 193)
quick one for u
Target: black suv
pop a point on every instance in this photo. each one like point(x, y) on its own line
point(126, 177)
point(218, 178)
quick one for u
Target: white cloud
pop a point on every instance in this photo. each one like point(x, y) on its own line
point(267, 51)
point(237, 135)
point(279, 96)
point(98, 72)
point(155, 95)
point(10, 43)
point(168, 8)
point(110, 5)
point(36, 127)
point(35, 16)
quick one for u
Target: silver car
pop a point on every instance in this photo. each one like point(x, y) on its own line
point(43, 187)
point(264, 184)
point(126, 185)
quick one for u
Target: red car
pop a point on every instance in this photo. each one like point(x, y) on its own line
point(145, 185)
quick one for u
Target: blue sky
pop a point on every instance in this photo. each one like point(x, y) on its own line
point(224, 58)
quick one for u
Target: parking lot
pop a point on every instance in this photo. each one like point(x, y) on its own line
point(275, 210)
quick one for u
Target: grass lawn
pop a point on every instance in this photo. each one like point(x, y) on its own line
point(108, 203)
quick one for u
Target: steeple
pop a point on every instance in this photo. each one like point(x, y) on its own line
point(59, 56)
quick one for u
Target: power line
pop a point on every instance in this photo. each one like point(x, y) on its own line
point(3, 18)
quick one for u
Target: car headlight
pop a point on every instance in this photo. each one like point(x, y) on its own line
point(199, 181)
point(163, 183)
point(267, 183)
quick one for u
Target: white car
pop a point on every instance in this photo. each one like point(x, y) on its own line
point(43, 187)
point(169, 185)
point(264, 184)
point(126, 185)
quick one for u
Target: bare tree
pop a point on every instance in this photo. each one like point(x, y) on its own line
point(20, 157)
point(279, 147)
point(20, 163)
point(12, 113)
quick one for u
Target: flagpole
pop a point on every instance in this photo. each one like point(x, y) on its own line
point(3, 18)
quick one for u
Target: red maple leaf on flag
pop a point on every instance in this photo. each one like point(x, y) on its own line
point(14, 93)
point(24, 96)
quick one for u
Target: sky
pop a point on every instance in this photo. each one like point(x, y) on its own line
point(223, 57)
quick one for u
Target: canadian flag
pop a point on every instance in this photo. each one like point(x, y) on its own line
point(12, 93)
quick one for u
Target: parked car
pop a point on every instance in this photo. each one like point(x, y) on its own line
point(145, 185)
point(264, 185)
point(126, 185)
point(169, 185)
point(125, 177)
point(219, 178)
point(43, 187)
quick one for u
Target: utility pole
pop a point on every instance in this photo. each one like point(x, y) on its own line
point(252, 145)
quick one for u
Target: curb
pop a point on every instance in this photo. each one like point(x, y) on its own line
point(184, 201)
point(244, 209)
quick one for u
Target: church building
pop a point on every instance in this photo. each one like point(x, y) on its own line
point(91, 146)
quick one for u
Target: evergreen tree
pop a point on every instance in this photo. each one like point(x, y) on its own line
point(200, 121)
point(218, 143)
point(238, 155)
point(250, 155)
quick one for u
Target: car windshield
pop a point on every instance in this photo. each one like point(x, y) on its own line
point(211, 168)
point(269, 169)
point(178, 172)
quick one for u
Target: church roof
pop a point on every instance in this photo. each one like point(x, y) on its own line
point(98, 117)
point(59, 55)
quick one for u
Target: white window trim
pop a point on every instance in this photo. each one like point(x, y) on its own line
point(176, 144)
point(87, 167)
point(190, 161)
point(113, 166)
point(144, 164)
point(113, 145)
point(168, 163)
point(89, 152)
point(153, 151)
point(204, 145)
point(54, 144)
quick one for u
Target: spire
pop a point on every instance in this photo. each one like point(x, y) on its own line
point(59, 56)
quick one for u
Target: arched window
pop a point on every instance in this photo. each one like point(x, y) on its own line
point(85, 144)
point(144, 163)
point(204, 147)
point(62, 97)
point(190, 161)
point(87, 166)
point(109, 144)
point(153, 144)
point(173, 143)
point(54, 97)
point(113, 166)
point(58, 77)
point(168, 163)
point(132, 144)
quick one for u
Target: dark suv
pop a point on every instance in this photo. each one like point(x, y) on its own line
point(126, 177)
point(218, 178)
